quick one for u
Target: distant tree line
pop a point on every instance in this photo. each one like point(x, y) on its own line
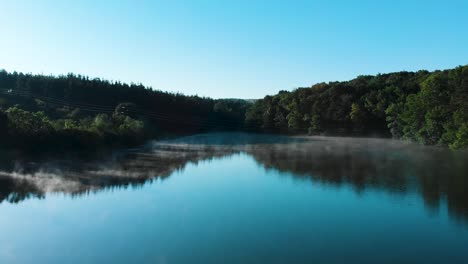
point(427, 107)
point(74, 111)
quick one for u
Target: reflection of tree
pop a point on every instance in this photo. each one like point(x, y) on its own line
point(14, 191)
point(24, 179)
point(436, 174)
point(337, 166)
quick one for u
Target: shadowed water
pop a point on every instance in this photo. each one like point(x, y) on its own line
point(238, 198)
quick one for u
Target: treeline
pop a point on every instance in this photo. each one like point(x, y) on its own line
point(75, 111)
point(37, 131)
point(427, 107)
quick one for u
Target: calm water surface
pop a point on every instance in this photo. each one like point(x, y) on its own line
point(236, 198)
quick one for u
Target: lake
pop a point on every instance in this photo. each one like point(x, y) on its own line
point(238, 198)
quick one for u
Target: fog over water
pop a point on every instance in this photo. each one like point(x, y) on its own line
point(437, 174)
point(238, 198)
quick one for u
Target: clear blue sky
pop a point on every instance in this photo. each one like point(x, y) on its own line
point(243, 49)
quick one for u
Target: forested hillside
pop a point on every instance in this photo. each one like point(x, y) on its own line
point(428, 107)
point(76, 111)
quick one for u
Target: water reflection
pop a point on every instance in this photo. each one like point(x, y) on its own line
point(438, 175)
point(30, 177)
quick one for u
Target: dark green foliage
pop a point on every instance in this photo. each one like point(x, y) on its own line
point(3, 124)
point(431, 108)
point(24, 123)
point(75, 96)
point(77, 111)
point(34, 129)
point(427, 107)
point(127, 109)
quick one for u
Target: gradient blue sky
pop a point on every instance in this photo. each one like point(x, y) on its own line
point(243, 49)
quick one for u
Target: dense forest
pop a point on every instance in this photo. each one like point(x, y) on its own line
point(427, 107)
point(74, 111)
